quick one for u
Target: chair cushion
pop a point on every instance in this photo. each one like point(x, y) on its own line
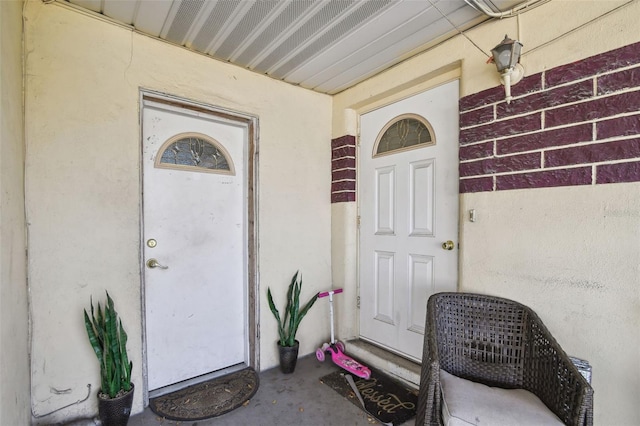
point(470, 403)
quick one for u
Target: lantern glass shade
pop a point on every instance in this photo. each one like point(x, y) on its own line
point(507, 54)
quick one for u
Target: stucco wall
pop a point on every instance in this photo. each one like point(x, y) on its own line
point(14, 355)
point(84, 193)
point(571, 253)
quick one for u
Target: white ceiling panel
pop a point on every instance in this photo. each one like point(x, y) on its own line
point(151, 16)
point(324, 45)
point(93, 5)
point(123, 11)
point(216, 19)
point(338, 33)
point(374, 46)
point(318, 31)
point(240, 32)
point(284, 29)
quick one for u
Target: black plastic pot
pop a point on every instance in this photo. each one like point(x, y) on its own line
point(288, 357)
point(116, 411)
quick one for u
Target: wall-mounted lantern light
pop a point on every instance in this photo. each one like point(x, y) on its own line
point(506, 56)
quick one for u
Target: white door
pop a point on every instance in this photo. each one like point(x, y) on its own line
point(408, 192)
point(195, 243)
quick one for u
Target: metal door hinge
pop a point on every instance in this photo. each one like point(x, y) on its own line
point(358, 222)
point(358, 302)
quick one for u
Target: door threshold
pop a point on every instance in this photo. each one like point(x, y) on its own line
point(194, 381)
point(400, 368)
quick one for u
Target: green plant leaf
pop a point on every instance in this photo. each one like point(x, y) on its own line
point(125, 363)
point(287, 311)
point(276, 314)
point(111, 330)
point(306, 307)
point(99, 323)
point(93, 339)
point(293, 321)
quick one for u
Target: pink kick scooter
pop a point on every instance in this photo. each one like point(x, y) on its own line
point(336, 347)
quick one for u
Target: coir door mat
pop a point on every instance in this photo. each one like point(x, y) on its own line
point(384, 398)
point(207, 399)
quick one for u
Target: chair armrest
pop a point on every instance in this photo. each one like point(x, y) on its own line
point(429, 409)
point(551, 375)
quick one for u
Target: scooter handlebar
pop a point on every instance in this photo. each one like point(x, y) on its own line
point(327, 293)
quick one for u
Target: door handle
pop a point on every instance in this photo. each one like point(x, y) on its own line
point(153, 263)
point(448, 245)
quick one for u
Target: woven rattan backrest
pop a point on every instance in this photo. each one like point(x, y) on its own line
point(481, 338)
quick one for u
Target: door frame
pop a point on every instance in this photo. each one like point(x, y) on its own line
point(252, 297)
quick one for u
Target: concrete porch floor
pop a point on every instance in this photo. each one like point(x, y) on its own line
point(285, 399)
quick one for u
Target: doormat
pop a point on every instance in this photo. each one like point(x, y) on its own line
point(208, 399)
point(386, 399)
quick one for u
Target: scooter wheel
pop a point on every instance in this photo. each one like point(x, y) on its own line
point(325, 346)
point(340, 346)
point(320, 355)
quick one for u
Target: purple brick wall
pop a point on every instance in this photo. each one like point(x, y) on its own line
point(343, 169)
point(577, 124)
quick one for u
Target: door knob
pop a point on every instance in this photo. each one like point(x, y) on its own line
point(448, 245)
point(153, 263)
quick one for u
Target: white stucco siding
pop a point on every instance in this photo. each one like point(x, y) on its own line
point(84, 192)
point(573, 256)
point(14, 332)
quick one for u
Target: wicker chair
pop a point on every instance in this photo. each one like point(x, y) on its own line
point(499, 343)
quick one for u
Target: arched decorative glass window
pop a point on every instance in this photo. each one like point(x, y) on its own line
point(407, 131)
point(194, 152)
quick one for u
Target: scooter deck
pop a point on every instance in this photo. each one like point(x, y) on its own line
point(349, 364)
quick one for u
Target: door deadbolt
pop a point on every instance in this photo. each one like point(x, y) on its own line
point(151, 243)
point(448, 245)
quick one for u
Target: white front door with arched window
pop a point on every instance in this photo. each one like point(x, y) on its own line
point(408, 200)
point(195, 253)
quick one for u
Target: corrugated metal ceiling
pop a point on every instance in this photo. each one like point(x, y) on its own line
point(323, 45)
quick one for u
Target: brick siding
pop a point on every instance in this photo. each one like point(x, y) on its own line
point(343, 169)
point(576, 124)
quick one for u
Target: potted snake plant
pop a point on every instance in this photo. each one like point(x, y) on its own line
point(288, 325)
point(109, 342)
